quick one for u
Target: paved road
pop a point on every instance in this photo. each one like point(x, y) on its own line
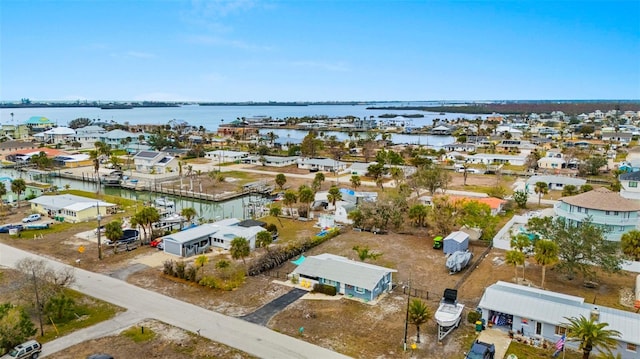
point(263, 314)
point(237, 333)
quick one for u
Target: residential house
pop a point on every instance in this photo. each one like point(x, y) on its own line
point(23, 156)
point(629, 185)
point(360, 168)
point(608, 209)
point(56, 135)
point(542, 315)
point(87, 136)
point(117, 138)
point(554, 183)
point(271, 161)
point(492, 158)
point(624, 138)
point(14, 132)
point(354, 279)
point(11, 146)
point(226, 156)
point(71, 208)
point(39, 124)
point(322, 164)
point(198, 239)
point(552, 160)
point(460, 147)
point(155, 162)
point(33, 189)
point(73, 161)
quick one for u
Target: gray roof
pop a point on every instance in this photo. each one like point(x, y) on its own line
point(553, 308)
point(565, 180)
point(343, 270)
point(66, 201)
point(204, 230)
point(321, 162)
point(147, 154)
point(120, 134)
point(631, 176)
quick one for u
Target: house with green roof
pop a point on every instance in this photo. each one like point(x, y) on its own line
point(39, 123)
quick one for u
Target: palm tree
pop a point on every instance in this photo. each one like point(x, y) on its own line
point(113, 232)
point(18, 186)
point(200, 261)
point(317, 181)
point(591, 334)
point(290, 198)
point(189, 213)
point(515, 258)
point(240, 248)
point(541, 189)
point(419, 313)
point(355, 181)
point(334, 195)
point(546, 253)
point(306, 196)
point(276, 211)
point(264, 239)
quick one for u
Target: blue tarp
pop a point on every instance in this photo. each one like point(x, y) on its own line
point(299, 260)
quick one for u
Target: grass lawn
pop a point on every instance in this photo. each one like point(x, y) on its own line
point(87, 311)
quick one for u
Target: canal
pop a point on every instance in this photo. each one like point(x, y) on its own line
point(240, 207)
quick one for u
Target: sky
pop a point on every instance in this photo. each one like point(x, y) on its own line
point(313, 50)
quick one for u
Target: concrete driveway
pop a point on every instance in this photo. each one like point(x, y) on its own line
point(267, 311)
point(237, 333)
point(498, 338)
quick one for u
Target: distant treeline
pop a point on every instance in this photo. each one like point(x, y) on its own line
point(519, 108)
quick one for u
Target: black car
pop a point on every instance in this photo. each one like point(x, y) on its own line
point(7, 228)
point(481, 350)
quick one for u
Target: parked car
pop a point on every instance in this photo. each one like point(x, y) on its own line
point(155, 242)
point(32, 218)
point(9, 227)
point(100, 356)
point(30, 349)
point(160, 246)
point(481, 350)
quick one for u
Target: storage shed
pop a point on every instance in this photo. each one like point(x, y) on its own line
point(456, 241)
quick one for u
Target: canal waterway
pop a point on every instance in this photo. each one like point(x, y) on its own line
point(240, 207)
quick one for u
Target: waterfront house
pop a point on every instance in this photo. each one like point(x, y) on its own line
point(608, 209)
point(87, 136)
point(493, 158)
point(14, 132)
point(117, 138)
point(460, 147)
point(71, 208)
point(11, 146)
point(73, 161)
point(39, 124)
point(23, 156)
point(56, 135)
point(354, 279)
point(155, 162)
point(554, 183)
point(629, 185)
point(541, 315)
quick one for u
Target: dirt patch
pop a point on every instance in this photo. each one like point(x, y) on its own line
point(168, 343)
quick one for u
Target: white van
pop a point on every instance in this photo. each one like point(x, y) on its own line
point(30, 349)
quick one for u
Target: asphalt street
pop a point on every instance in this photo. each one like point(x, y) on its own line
point(248, 337)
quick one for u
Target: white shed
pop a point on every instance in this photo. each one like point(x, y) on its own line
point(456, 241)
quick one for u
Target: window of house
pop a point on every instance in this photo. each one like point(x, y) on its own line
point(560, 331)
point(330, 282)
point(579, 209)
point(633, 184)
point(632, 347)
point(359, 290)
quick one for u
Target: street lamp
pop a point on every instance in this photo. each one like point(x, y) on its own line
point(99, 217)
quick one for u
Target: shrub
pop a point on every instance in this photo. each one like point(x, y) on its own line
point(168, 267)
point(473, 317)
point(209, 281)
point(324, 289)
point(180, 269)
point(190, 273)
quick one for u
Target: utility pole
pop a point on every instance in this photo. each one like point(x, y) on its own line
point(98, 230)
point(406, 320)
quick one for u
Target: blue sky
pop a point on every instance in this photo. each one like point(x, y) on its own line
point(319, 50)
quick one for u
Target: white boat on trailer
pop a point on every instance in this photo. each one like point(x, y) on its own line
point(449, 313)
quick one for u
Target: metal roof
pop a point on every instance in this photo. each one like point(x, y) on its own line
point(553, 308)
point(68, 201)
point(343, 270)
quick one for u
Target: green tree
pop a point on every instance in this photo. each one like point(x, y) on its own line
point(515, 258)
point(586, 188)
point(15, 326)
point(541, 189)
point(145, 218)
point(334, 195)
point(310, 145)
point(591, 166)
point(79, 123)
point(569, 190)
point(276, 211)
point(317, 181)
point(264, 239)
point(60, 307)
point(3, 192)
point(477, 215)
point(418, 213)
point(306, 196)
point(521, 198)
point(419, 313)
point(580, 248)
point(630, 242)
point(545, 254)
point(113, 231)
point(442, 215)
point(591, 335)
point(201, 261)
point(18, 186)
point(377, 171)
point(365, 253)
point(355, 182)
point(281, 179)
point(290, 198)
point(240, 248)
point(189, 213)
point(434, 178)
